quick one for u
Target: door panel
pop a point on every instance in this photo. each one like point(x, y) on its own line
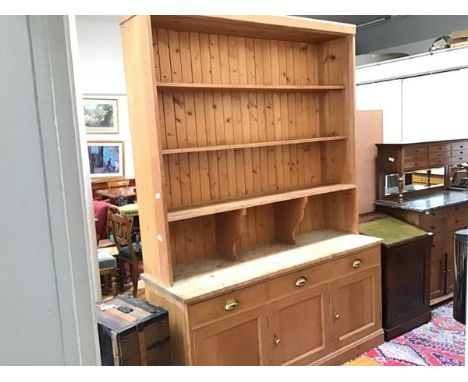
point(356, 306)
point(449, 265)
point(234, 341)
point(437, 266)
point(301, 327)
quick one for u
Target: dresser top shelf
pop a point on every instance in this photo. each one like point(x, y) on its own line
point(235, 146)
point(178, 86)
point(194, 282)
point(252, 201)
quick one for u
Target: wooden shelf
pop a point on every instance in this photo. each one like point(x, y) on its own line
point(201, 279)
point(175, 86)
point(214, 208)
point(253, 145)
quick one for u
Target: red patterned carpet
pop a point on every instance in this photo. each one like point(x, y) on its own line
point(441, 342)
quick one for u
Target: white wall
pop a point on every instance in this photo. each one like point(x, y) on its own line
point(47, 312)
point(422, 97)
point(101, 73)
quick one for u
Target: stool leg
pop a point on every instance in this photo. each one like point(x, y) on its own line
point(114, 285)
point(120, 264)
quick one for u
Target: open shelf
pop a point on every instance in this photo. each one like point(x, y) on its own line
point(198, 279)
point(175, 86)
point(252, 201)
point(253, 145)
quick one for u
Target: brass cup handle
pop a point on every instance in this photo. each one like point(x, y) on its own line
point(231, 304)
point(357, 263)
point(337, 316)
point(301, 281)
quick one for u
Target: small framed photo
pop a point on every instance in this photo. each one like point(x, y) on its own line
point(106, 159)
point(101, 115)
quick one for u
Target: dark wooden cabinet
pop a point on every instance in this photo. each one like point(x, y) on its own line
point(406, 271)
point(442, 222)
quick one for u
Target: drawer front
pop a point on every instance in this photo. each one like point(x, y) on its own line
point(228, 304)
point(441, 162)
point(435, 224)
point(454, 160)
point(439, 155)
point(298, 281)
point(462, 145)
point(439, 149)
point(356, 262)
point(460, 152)
point(416, 161)
point(458, 217)
point(416, 151)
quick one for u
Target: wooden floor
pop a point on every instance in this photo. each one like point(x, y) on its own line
point(129, 290)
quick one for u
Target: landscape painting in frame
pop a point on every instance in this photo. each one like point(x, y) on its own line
point(106, 159)
point(101, 115)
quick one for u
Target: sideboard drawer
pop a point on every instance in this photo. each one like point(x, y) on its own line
point(356, 262)
point(435, 224)
point(300, 280)
point(438, 162)
point(416, 161)
point(457, 217)
point(462, 145)
point(439, 155)
point(228, 304)
point(439, 149)
point(416, 150)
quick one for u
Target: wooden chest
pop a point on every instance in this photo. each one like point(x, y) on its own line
point(135, 334)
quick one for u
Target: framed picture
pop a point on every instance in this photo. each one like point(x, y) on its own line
point(106, 159)
point(101, 115)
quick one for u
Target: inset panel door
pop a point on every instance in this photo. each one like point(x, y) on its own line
point(300, 327)
point(450, 265)
point(356, 306)
point(438, 266)
point(235, 341)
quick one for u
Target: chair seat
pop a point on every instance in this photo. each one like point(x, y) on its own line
point(106, 260)
point(125, 252)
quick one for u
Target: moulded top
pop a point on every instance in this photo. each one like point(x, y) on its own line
point(268, 27)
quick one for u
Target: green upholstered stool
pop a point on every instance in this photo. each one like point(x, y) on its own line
point(129, 210)
point(108, 268)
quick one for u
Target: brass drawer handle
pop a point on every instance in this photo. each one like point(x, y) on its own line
point(277, 340)
point(357, 263)
point(337, 316)
point(231, 304)
point(300, 281)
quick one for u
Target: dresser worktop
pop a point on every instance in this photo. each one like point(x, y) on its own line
point(428, 202)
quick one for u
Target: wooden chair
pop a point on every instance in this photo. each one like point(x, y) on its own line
point(117, 184)
point(129, 251)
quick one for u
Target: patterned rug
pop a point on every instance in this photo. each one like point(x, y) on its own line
point(440, 342)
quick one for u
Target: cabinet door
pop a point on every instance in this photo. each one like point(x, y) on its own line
point(449, 265)
point(234, 341)
point(437, 266)
point(356, 306)
point(301, 328)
